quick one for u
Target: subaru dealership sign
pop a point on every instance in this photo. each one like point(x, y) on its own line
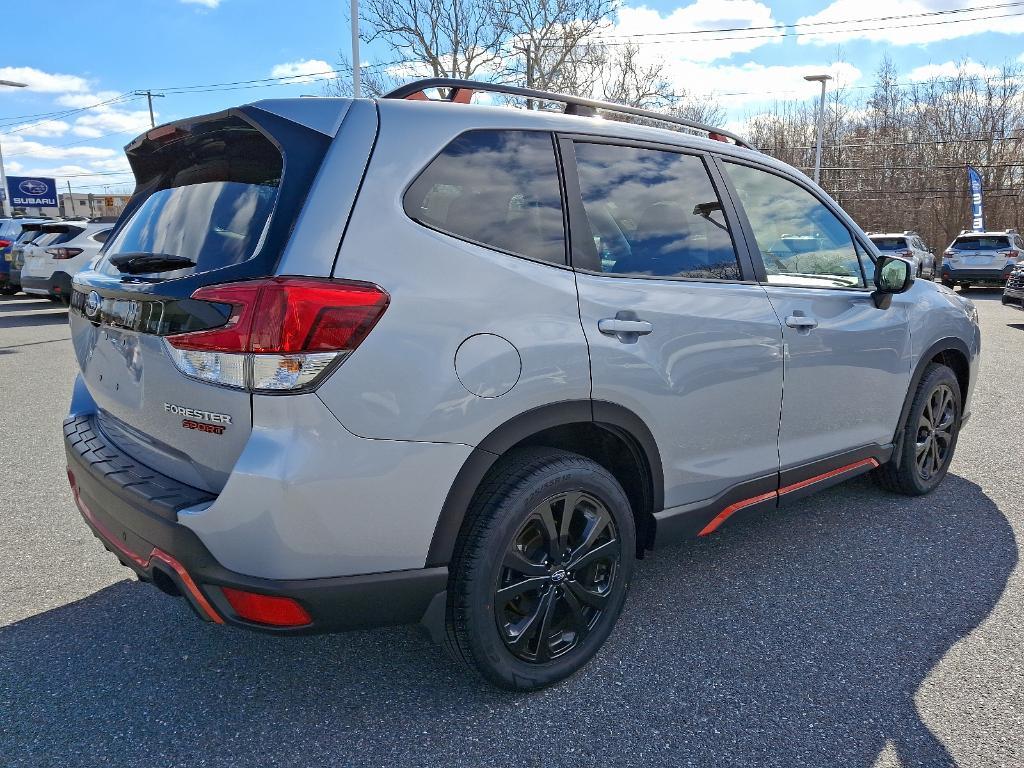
point(32, 192)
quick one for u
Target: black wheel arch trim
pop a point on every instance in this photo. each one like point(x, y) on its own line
point(946, 344)
point(611, 416)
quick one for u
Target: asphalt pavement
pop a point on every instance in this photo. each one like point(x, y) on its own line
point(856, 628)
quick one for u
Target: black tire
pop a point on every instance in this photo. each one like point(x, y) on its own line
point(506, 524)
point(949, 284)
point(933, 421)
point(965, 287)
point(1004, 299)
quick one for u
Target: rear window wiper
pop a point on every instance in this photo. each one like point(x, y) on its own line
point(144, 263)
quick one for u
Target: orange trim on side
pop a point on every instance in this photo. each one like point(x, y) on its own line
point(818, 478)
point(190, 585)
point(144, 563)
point(729, 511)
point(105, 533)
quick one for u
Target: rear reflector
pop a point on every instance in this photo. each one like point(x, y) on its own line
point(282, 334)
point(265, 609)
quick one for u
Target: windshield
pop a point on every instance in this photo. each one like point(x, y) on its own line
point(889, 243)
point(979, 243)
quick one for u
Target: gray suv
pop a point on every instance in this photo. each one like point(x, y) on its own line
point(348, 363)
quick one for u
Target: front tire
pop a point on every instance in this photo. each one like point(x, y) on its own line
point(929, 436)
point(541, 569)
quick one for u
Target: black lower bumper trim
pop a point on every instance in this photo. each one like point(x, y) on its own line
point(118, 499)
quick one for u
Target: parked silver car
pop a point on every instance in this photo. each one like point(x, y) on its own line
point(907, 245)
point(358, 362)
point(981, 258)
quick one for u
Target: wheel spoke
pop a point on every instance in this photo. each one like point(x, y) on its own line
point(578, 622)
point(608, 550)
point(584, 595)
point(594, 529)
point(572, 500)
point(520, 641)
point(506, 594)
point(543, 641)
point(551, 537)
point(515, 560)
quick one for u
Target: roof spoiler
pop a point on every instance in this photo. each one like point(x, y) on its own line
point(461, 91)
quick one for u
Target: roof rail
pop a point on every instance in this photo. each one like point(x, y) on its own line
point(462, 90)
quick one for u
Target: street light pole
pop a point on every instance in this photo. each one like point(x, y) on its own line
point(4, 208)
point(821, 123)
point(356, 84)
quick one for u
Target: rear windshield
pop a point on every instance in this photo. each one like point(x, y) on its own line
point(890, 243)
point(215, 194)
point(976, 243)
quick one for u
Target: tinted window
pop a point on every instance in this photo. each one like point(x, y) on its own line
point(801, 241)
point(496, 188)
point(978, 243)
point(654, 213)
point(889, 243)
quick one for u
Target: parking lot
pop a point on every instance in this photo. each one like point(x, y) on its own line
point(857, 628)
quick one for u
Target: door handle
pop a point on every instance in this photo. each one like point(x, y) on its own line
point(613, 326)
point(800, 322)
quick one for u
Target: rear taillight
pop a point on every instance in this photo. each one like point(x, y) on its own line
point(1014, 255)
point(63, 253)
point(282, 334)
point(4, 243)
point(905, 254)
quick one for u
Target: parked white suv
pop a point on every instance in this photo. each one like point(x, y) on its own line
point(981, 258)
point(358, 362)
point(54, 258)
point(907, 245)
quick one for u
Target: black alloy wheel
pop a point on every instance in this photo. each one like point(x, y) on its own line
point(540, 569)
point(934, 442)
point(556, 576)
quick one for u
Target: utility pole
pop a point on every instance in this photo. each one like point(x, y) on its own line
point(821, 122)
point(149, 97)
point(4, 206)
point(69, 209)
point(356, 84)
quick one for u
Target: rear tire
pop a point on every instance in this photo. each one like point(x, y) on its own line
point(534, 594)
point(929, 436)
point(965, 287)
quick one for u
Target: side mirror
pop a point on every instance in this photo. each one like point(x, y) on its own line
point(892, 276)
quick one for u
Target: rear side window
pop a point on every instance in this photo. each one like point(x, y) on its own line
point(101, 236)
point(62, 237)
point(654, 213)
point(981, 243)
point(890, 243)
point(215, 191)
point(496, 188)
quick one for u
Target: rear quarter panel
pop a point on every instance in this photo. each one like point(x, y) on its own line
point(401, 383)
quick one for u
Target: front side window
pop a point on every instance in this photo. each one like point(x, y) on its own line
point(801, 241)
point(495, 188)
point(654, 213)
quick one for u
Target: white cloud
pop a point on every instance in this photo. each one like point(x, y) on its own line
point(15, 145)
point(912, 31)
point(101, 122)
point(119, 163)
point(79, 100)
point(205, 3)
point(37, 80)
point(304, 70)
point(736, 85)
point(700, 15)
point(951, 69)
point(45, 128)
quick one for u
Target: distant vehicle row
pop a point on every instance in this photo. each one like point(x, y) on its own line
point(40, 256)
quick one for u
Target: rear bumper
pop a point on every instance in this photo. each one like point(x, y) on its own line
point(57, 284)
point(133, 511)
point(968, 275)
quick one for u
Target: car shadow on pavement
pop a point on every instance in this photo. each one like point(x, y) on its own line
point(796, 638)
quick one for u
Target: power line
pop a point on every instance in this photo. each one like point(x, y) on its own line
point(794, 25)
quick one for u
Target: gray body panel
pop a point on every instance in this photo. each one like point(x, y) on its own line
point(836, 371)
point(707, 380)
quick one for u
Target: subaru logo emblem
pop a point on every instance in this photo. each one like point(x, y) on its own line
point(33, 187)
point(92, 304)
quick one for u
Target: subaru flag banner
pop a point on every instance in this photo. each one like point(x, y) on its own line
point(34, 192)
point(977, 210)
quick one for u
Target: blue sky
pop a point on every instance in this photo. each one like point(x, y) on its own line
point(97, 51)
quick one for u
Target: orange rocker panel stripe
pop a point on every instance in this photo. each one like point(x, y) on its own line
point(142, 562)
point(729, 511)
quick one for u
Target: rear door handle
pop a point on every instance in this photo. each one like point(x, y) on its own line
point(801, 322)
point(613, 326)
